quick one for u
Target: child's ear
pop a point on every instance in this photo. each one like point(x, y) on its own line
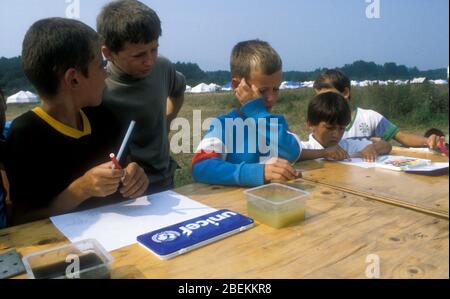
point(235, 82)
point(346, 93)
point(107, 53)
point(71, 78)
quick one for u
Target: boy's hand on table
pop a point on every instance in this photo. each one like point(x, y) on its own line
point(245, 93)
point(277, 169)
point(375, 139)
point(101, 180)
point(433, 142)
point(135, 182)
point(368, 154)
point(336, 153)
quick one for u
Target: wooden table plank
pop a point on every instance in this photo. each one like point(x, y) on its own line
point(428, 194)
point(341, 230)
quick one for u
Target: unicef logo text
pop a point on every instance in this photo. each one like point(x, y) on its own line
point(166, 236)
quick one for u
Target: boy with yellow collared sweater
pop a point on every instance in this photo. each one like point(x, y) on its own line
point(57, 155)
point(235, 149)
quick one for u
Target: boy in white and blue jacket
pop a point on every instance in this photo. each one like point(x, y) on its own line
point(249, 146)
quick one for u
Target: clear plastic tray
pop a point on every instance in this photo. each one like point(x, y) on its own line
point(276, 205)
point(85, 259)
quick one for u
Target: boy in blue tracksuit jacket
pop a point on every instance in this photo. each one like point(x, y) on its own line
point(249, 146)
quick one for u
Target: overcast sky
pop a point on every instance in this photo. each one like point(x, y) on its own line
point(307, 33)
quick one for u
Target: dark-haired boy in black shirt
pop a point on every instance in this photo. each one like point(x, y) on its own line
point(57, 155)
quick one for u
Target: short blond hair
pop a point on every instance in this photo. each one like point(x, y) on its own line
point(254, 55)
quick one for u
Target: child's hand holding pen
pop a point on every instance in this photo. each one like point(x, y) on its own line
point(135, 182)
point(276, 169)
point(336, 153)
point(100, 181)
point(442, 147)
point(433, 142)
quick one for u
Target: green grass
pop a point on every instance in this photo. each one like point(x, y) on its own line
point(409, 106)
point(414, 108)
point(15, 110)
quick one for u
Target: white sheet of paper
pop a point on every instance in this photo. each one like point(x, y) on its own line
point(432, 167)
point(358, 162)
point(118, 225)
point(424, 168)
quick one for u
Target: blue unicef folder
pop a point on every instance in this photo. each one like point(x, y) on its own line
point(180, 238)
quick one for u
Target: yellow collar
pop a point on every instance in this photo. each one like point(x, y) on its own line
point(62, 128)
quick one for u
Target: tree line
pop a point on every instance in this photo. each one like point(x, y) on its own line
point(12, 78)
point(358, 70)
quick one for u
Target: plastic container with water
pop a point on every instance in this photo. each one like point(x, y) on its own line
point(85, 260)
point(276, 205)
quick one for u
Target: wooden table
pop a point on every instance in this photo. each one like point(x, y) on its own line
point(428, 194)
point(340, 232)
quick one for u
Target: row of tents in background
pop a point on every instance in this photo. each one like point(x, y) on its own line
point(25, 97)
point(208, 88)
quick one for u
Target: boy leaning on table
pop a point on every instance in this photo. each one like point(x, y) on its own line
point(369, 123)
point(230, 155)
point(328, 116)
point(57, 155)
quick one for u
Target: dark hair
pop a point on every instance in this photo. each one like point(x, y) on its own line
point(127, 21)
point(2, 112)
point(332, 79)
point(254, 55)
point(434, 131)
point(52, 46)
point(331, 108)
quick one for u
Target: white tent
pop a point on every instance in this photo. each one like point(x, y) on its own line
point(365, 83)
point(308, 84)
point(22, 97)
point(188, 88)
point(227, 87)
point(202, 87)
point(290, 85)
point(439, 82)
point(418, 80)
point(354, 83)
point(400, 82)
point(214, 87)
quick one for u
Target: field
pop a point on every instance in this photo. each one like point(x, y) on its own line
point(414, 108)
